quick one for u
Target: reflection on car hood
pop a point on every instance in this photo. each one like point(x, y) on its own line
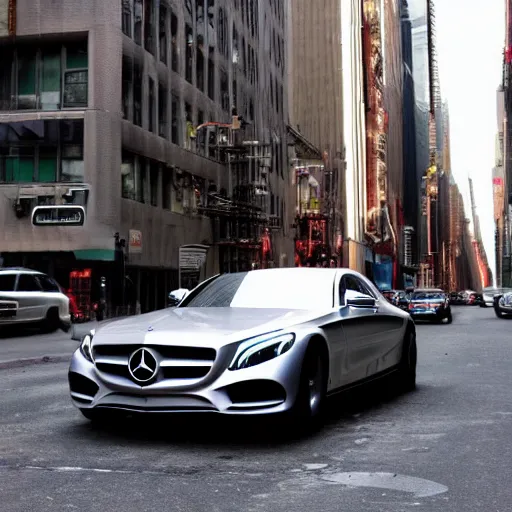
point(213, 326)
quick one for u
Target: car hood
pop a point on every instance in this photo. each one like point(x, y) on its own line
point(204, 326)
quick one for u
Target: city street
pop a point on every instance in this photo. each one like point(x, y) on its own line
point(445, 447)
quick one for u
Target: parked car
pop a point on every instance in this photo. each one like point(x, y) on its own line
point(490, 292)
point(31, 297)
point(401, 300)
point(430, 304)
point(503, 304)
point(250, 343)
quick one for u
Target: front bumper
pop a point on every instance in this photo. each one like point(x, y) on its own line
point(267, 388)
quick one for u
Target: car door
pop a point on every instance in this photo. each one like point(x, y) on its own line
point(31, 300)
point(390, 329)
point(359, 327)
point(370, 332)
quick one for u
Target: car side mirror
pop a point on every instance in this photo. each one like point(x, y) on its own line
point(359, 300)
point(176, 296)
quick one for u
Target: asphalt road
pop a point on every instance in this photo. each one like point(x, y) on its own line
point(445, 447)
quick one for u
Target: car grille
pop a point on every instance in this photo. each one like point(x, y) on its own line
point(177, 364)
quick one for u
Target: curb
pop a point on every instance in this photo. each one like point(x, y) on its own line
point(30, 361)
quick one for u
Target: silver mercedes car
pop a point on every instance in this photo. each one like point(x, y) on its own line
point(259, 342)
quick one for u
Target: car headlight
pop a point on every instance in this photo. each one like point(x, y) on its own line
point(502, 301)
point(260, 350)
point(86, 346)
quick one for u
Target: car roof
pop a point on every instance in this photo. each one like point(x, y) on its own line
point(429, 290)
point(18, 270)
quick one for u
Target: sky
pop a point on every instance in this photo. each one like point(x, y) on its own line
point(470, 41)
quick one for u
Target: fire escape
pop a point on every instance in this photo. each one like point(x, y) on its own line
point(241, 227)
point(317, 242)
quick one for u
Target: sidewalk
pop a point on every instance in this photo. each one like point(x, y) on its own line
point(28, 347)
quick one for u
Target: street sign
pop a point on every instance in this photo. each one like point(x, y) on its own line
point(61, 215)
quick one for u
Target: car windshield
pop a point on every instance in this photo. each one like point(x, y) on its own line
point(267, 289)
point(427, 296)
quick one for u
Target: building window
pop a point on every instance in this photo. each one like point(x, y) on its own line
point(162, 111)
point(175, 120)
point(48, 77)
point(137, 94)
point(128, 175)
point(235, 50)
point(174, 43)
point(162, 40)
point(224, 90)
point(137, 18)
point(200, 69)
point(127, 17)
point(189, 43)
point(76, 76)
point(211, 75)
point(127, 77)
point(41, 151)
point(151, 107)
point(222, 32)
point(72, 163)
point(166, 189)
point(141, 179)
point(149, 26)
point(154, 176)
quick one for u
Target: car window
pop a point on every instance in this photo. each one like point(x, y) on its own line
point(350, 282)
point(7, 282)
point(27, 283)
point(47, 284)
point(427, 295)
point(266, 289)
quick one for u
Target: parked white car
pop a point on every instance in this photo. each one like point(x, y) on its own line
point(31, 297)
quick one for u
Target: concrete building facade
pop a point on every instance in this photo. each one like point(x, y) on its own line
point(142, 112)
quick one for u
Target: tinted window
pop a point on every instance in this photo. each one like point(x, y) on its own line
point(217, 294)
point(7, 282)
point(47, 284)
point(27, 283)
point(427, 296)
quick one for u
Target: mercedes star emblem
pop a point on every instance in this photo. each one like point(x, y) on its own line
point(142, 365)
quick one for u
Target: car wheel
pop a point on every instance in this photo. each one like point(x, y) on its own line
point(499, 314)
point(449, 318)
point(407, 366)
point(310, 399)
point(52, 321)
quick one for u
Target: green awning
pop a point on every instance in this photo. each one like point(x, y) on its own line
point(95, 254)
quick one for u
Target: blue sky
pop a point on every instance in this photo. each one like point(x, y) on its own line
point(470, 41)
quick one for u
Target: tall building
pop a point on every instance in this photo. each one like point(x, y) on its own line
point(154, 135)
point(326, 86)
point(506, 259)
point(502, 244)
point(484, 271)
point(411, 179)
point(316, 118)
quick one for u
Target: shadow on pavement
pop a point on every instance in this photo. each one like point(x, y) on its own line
point(211, 430)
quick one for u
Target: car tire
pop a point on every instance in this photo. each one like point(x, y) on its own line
point(499, 314)
point(449, 318)
point(309, 404)
point(407, 366)
point(52, 321)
